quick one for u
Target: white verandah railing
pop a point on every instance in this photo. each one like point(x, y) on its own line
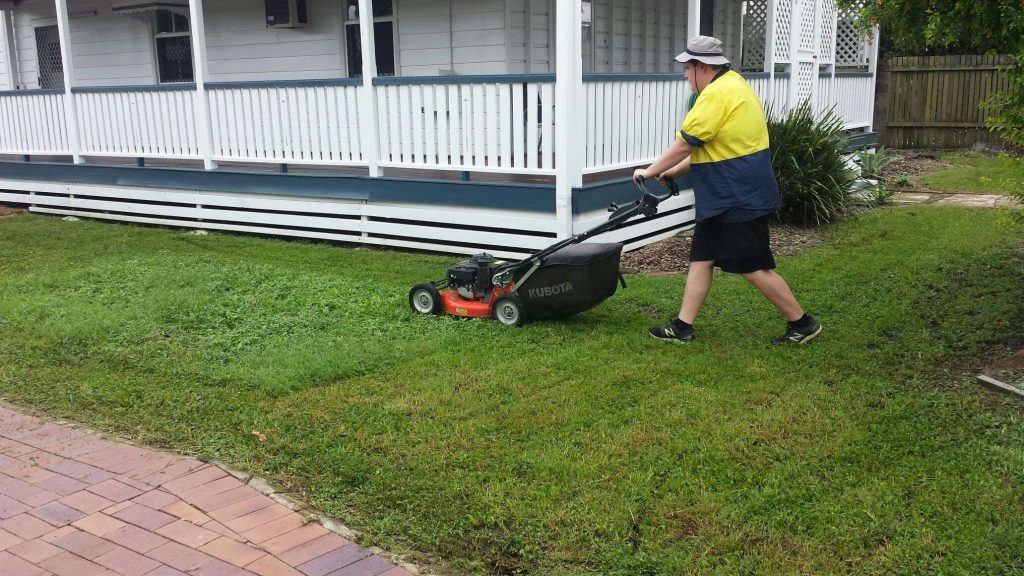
point(145, 122)
point(500, 124)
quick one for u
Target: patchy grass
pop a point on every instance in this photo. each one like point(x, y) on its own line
point(975, 173)
point(566, 448)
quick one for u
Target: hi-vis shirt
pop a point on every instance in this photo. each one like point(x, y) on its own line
point(731, 167)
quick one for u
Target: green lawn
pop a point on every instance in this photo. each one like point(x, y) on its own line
point(568, 448)
point(974, 173)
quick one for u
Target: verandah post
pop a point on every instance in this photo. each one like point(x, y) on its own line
point(795, 23)
point(70, 110)
point(770, 30)
point(569, 125)
point(11, 59)
point(692, 20)
point(873, 68)
point(204, 121)
point(368, 120)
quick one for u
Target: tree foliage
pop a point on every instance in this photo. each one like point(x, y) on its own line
point(1006, 109)
point(938, 27)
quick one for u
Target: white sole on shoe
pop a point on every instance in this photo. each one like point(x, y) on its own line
point(673, 340)
point(811, 336)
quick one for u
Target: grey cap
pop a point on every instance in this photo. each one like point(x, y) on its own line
point(704, 49)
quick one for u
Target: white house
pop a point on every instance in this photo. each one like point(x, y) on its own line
point(452, 125)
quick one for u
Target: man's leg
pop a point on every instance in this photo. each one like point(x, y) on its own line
point(802, 327)
point(777, 292)
point(698, 284)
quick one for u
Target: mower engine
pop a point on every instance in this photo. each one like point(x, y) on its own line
point(472, 278)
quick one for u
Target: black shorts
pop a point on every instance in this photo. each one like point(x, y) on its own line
point(737, 247)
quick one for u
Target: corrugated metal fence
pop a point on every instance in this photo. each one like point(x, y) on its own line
point(933, 100)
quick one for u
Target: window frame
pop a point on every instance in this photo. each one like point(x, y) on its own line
point(346, 23)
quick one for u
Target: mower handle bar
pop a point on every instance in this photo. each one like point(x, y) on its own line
point(646, 205)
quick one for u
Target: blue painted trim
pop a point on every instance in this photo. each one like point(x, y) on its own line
point(184, 86)
point(284, 83)
point(782, 75)
point(495, 195)
point(469, 79)
point(854, 74)
point(862, 140)
point(599, 195)
point(755, 75)
point(610, 77)
point(141, 6)
point(31, 92)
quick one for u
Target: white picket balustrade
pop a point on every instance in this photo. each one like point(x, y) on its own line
point(761, 85)
point(140, 122)
point(631, 121)
point(504, 125)
point(32, 122)
point(288, 123)
point(499, 124)
point(853, 94)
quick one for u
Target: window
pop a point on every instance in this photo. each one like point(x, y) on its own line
point(51, 66)
point(384, 37)
point(173, 47)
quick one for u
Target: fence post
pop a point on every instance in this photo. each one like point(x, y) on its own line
point(204, 120)
point(368, 120)
point(70, 109)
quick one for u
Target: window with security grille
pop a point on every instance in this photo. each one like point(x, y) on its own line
point(51, 67)
point(173, 47)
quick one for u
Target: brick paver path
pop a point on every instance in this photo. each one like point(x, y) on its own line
point(74, 504)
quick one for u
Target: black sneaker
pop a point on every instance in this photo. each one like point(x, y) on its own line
point(672, 333)
point(800, 334)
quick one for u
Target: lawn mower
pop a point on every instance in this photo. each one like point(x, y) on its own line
point(563, 279)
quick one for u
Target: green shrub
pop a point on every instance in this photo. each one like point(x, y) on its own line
point(872, 163)
point(1007, 108)
point(809, 158)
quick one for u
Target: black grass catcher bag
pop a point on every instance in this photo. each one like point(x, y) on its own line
point(571, 280)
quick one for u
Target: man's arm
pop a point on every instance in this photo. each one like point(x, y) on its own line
point(675, 154)
point(675, 171)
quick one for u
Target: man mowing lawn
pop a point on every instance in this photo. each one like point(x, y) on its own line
point(724, 143)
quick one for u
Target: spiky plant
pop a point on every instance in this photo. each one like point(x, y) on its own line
point(809, 158)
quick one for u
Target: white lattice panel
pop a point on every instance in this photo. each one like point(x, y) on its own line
point(754, 25)
point(807, 26)
point(783, 29)
point(805, 80)
point(851, 44)
point(827, 9)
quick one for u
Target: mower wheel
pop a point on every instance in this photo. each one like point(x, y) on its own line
point(508, 309)
point(425, 299)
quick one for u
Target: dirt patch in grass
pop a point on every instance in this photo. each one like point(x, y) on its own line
point(1009, 369)
point(671, 256)
point(911, 163)
point(9, 211)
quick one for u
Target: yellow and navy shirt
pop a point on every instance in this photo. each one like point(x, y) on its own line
point(731, 165)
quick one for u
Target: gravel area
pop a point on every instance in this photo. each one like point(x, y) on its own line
point(670, 256)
